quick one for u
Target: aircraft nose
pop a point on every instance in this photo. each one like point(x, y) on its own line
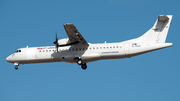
point(8, 59)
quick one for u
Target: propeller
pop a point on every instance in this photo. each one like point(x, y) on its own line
point(56, 42)
point(68, 44)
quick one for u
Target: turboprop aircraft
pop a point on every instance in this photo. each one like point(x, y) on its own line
point(75, 49)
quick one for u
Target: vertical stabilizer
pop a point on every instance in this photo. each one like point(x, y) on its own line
point(158, 33)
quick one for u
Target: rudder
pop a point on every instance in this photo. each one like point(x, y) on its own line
point(162, 26)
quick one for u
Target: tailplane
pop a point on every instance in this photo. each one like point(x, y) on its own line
point(158, 33)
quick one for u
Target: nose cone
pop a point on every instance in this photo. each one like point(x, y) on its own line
point(8, 59)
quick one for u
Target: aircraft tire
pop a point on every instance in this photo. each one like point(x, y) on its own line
point(84, 66)
point(16, 68)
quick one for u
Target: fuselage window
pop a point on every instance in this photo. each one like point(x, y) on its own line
point(116, 46)
point(40, 51)
point(120, 47)
point(43, 50)
point(46, 50)
point(73, 49)
point(19, 50)
point(76, 49)
point(110, 47)
point(97, 48)
point(93, 48)
point(79, 49)
point(49, 50)
point(104, 47)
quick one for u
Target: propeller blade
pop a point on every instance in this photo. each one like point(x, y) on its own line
point(56, 42)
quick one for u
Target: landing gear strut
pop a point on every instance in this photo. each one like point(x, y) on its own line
point(16, 66)
point(80, 62)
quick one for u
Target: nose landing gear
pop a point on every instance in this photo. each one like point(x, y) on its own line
point(16, 66)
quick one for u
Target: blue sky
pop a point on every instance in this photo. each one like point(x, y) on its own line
point(149, 77)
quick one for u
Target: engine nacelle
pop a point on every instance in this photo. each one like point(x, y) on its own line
point(63, 41)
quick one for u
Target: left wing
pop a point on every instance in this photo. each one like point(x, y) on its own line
point(74, 35)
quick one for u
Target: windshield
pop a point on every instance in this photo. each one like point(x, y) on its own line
point(17, 51)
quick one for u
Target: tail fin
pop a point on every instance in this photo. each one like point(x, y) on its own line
point(158, 33)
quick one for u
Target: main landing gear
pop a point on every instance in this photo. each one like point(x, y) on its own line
point(80, 62)
point(84, 66)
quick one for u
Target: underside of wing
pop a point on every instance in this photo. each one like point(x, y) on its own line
point(74, 35)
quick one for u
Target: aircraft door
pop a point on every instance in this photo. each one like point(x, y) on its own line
point(126, 49)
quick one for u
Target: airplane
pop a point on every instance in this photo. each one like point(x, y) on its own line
point(75, 49)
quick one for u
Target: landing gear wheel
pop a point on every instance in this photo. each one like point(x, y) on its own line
point(84, 66)
point(16, 68)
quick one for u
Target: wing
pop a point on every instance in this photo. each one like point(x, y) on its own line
point(74, 35)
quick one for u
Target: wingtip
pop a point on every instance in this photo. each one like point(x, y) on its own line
point(68, 24)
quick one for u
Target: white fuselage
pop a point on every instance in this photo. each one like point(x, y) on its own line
point(91, 53)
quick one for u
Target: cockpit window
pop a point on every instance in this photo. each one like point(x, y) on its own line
point(17, 51)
